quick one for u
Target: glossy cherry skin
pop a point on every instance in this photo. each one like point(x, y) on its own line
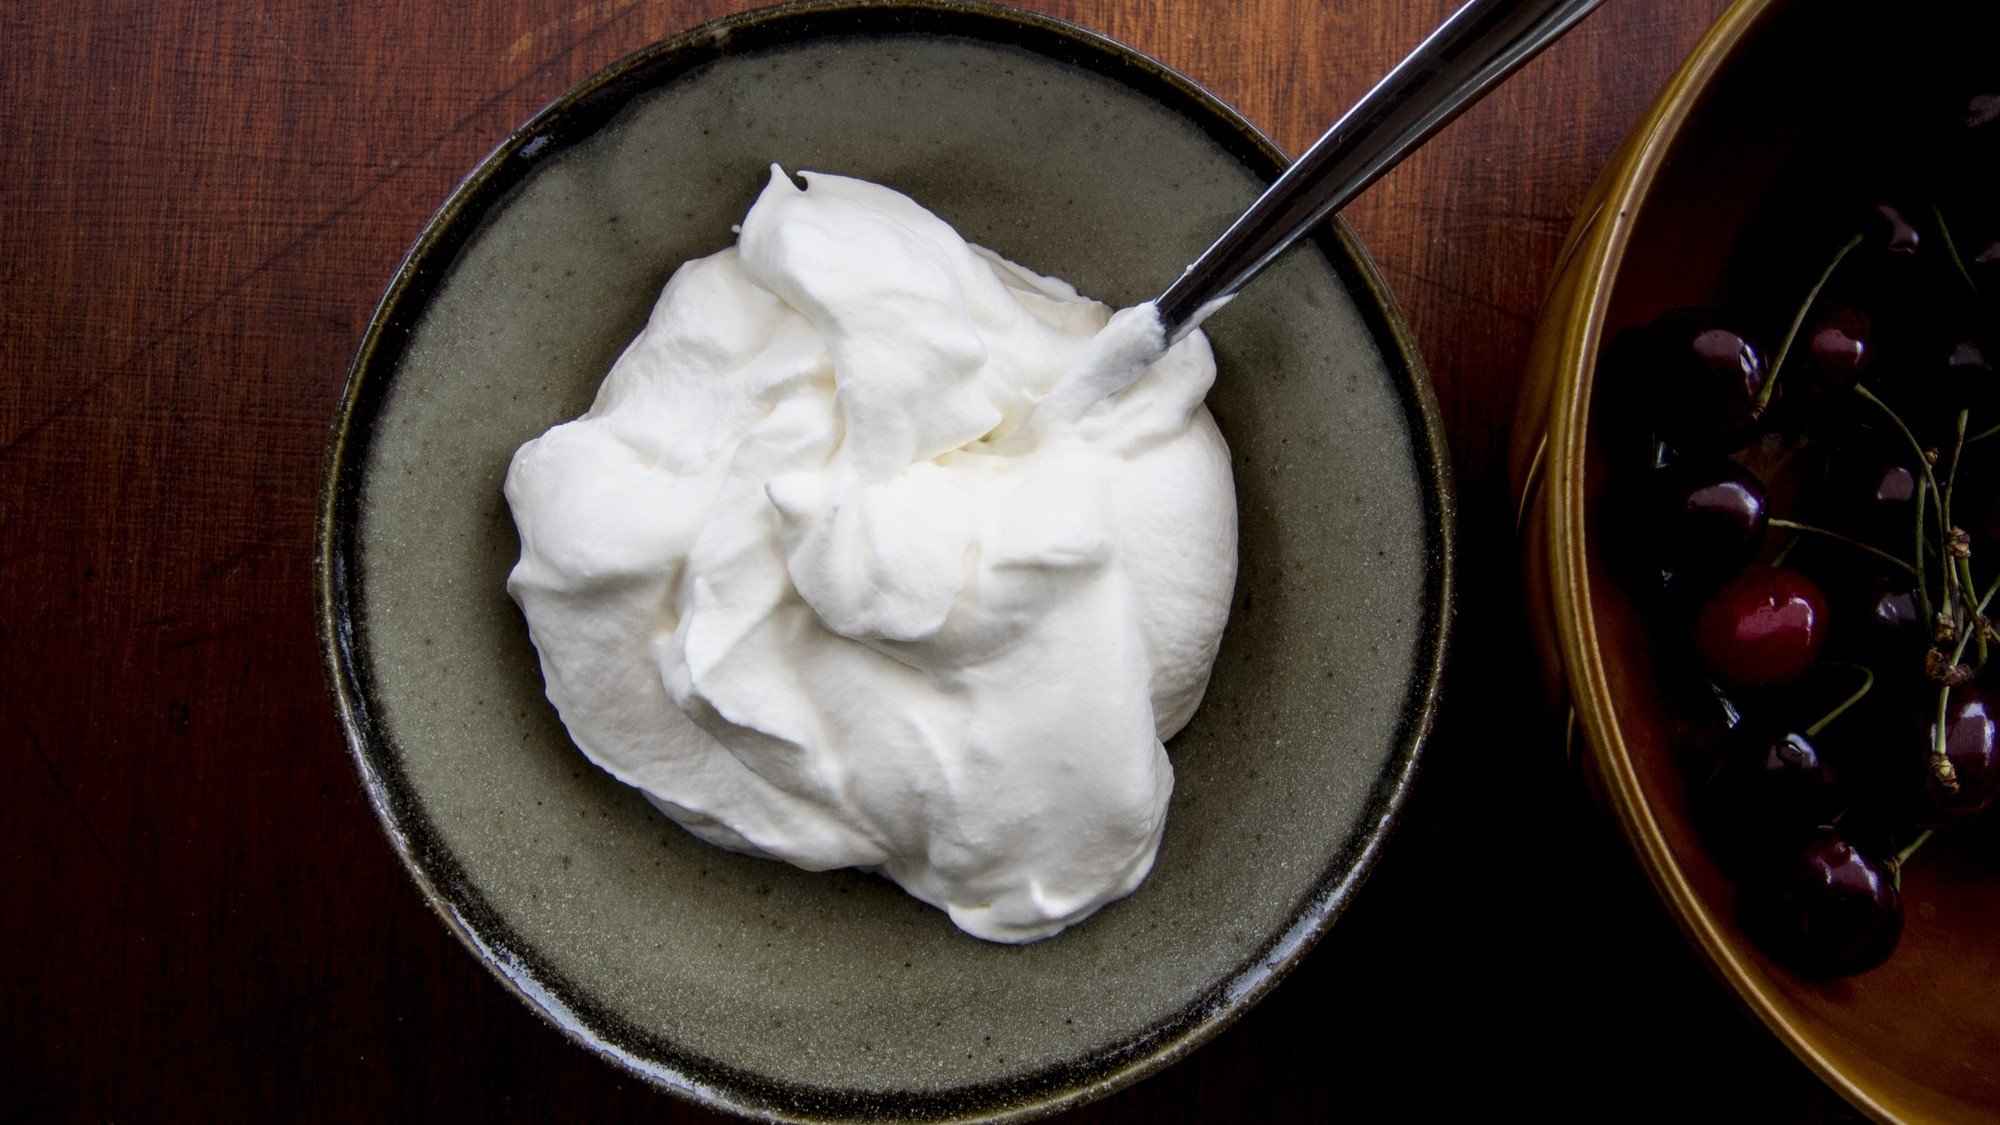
point(1894, 232)
point(1764, 628)
point(1980, 110)
point(1700, 720)
point(1704, 519)
point(1898, 276)
point(1834, 349)
point(1892, 624)
point(1984, 264)
point(1961, 374)
point(1766, 788)
point(1828, 910)
point(1972, 743)
point(1983, 840)
point(1697, 379)
point(1867, 490)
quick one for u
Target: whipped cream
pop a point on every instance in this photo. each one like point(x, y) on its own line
point(878, 550)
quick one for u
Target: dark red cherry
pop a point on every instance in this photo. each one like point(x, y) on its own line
point(1828, 909)
point(1764, 628)
point(1766, 788)
point(1874, 616)
point(1704, 519)
point(1700, 720)
point(1983, 263)
point(1980, 111)
point(1697, 378)
point(1786, 778)
point(1983, 840)
point(1894, 231)
point(1835, 347)
point(1972, 744)
point(1972, 151)
point(1867, 490)
point(1963, 373)
point(1977, 506)
point(1892, 623)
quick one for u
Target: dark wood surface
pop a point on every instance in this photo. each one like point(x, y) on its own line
point(199, 204)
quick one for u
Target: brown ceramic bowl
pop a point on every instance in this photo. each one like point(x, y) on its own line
point(1678, 219)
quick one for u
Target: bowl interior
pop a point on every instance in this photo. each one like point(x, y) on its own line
point(749, 983)
point(1783, 147)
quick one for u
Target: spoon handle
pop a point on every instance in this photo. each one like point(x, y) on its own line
point(1481, 44)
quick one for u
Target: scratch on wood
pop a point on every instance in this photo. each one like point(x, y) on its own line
point(229, 561)
point(310, 233)
point(1557, 224)
point(69, 795)
point(278, 1013)
point(527, 40)
point(191, 642)
point(1461, 294)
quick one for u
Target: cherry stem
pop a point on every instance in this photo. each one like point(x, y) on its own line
point(1965, 635)
point(1930, 483)
point(1867, 682)
point(1903, 856)
point(1941, 762)
point(1798, 320)
point(1977, 626)
point(1916, 446)
point(1923, 587)
point(1951, 248)
point(1809, 529)
point(1952, 589)
point(1941, 766)
point(1951, 474)
point(1785, 551)
point(1986, 598)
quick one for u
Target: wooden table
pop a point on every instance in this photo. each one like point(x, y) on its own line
point(199, 204)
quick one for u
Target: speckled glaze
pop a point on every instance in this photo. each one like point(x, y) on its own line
point(747, 984)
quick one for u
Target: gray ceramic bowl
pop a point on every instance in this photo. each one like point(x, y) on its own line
point(746, 984)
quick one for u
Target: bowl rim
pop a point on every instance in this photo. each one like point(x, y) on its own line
point(1619, 200)
point(398, 810)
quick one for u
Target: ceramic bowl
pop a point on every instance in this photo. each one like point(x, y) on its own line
point(746, 984)
point(1731, 149)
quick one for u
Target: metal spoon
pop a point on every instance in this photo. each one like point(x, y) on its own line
point(1470, 53)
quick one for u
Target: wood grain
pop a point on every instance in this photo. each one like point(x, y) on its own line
point(200, 203)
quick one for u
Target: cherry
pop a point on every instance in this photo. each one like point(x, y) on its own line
point(1867, 490)
point(1962, 372)
point(1979, 511)
point(1835, 347)
point(1899, 275)
point(1764, 628)
point(1766, 787)
point(1697, 379)
point(1892, 624)
point(1982, 261)
point(1972, 745)
point(1785, 776)
point(1971, 151)
point(1983, 840)
point(1700, 719)
point(1704, 519)
point(1874, 616)
point(1894, 232)
point(1828, 909)
point(1980, 111)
